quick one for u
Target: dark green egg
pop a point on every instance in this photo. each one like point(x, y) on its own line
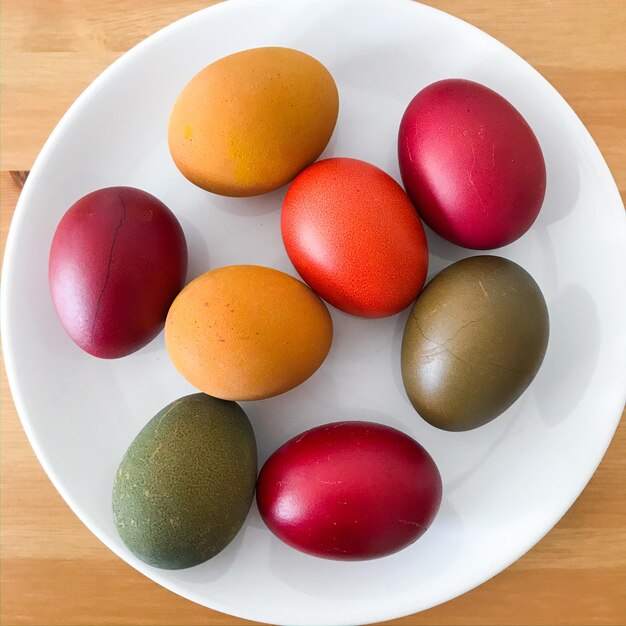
point(474, 341)
point(186, 483)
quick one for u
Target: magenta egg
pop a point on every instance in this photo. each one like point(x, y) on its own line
point(471, 164)
point(117, 261)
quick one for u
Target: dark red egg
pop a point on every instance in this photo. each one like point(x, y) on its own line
point(349, 491)
point(353, 235)
point(118, 259)
point(471, 164)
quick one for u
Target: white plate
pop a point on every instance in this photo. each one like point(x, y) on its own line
point(505, 485)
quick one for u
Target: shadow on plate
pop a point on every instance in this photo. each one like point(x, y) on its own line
point(572, 354)
point(252, 206)
point(218, 566)
point(505, 423)
point(198, 251)
point(433, 554)
point(396, 362)
point(442, 253)
point(563, 177)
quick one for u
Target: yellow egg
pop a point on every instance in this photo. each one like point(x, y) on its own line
point(246, 332)
point(249, 122)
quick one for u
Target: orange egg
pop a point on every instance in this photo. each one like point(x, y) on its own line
point(249, 122)
point(246, 332)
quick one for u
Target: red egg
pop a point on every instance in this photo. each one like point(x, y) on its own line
point(471, 164)
point(349, 491)
point(354, 237)
point(118, 259)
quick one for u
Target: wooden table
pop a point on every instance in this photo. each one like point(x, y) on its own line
point(53, 571)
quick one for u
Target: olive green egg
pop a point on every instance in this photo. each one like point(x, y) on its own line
point(186, 482)
point(474, 341)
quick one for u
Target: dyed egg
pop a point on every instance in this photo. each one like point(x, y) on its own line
point(186, 482)
point(249, 122)
point(474, 341)
point(117, 261)
point(471, 164)
point(349, 491)
point(246, 332)
point(354, 237)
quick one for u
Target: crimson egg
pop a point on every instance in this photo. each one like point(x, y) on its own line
point(349, 491)
point(117, 261)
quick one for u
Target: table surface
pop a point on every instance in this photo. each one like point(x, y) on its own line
point(52, 570)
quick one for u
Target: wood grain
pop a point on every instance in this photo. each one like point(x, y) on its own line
point(52, 570)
